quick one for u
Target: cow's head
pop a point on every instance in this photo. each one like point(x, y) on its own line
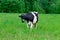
point(22, 17)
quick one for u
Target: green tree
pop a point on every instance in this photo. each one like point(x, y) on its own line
point(36, 6)
point(15, 6)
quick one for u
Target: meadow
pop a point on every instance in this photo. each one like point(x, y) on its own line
point(11, 27)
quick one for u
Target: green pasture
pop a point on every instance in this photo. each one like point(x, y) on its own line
point(11, 27)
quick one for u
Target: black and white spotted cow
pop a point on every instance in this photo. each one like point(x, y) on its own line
point(31, 18)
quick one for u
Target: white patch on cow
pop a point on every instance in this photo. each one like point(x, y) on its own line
point(30, 24)
point(35, 18)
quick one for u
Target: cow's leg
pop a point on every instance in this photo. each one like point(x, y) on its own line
point(35, 25)
point(28, 24)
point(31, 25)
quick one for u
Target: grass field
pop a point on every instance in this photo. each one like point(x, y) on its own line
point(11, 28)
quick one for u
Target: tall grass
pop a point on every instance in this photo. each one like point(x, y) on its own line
point(11, 28)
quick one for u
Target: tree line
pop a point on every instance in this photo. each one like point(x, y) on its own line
point(23, 6)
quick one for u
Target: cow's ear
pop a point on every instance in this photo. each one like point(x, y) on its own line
point(19, 15)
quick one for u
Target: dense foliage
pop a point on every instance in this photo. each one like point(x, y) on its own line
point(21, 6)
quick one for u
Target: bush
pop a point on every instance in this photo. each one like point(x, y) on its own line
point(11, 6)
point(20, 6)
point(55, 7)
point(37, 7)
